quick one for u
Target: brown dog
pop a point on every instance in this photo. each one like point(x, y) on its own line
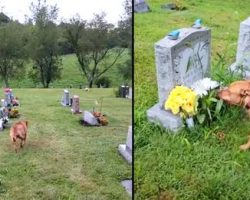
point(237, 93)
point(18, 131)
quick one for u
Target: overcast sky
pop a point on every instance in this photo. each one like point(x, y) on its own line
point(17, 9)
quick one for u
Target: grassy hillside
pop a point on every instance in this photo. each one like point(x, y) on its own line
point(71, 74)
point(63, 159)
point(193, 164)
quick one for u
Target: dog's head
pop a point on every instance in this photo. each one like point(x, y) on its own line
point(229, 97)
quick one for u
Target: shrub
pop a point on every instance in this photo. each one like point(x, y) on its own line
point(103, 81)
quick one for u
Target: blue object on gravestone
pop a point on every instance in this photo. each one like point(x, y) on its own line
point(174, 35)
point(197, 23)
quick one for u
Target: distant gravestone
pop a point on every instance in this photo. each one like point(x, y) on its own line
point(243, 49)
point(141, 6)
point(130, 93)
point(179, 62)
point(65, 98)
point(75, 105)
point(126, 149)
point(123, 91)
point(127, 184)
point(8, 95)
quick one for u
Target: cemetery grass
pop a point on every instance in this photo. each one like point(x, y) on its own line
point(193, 164)
point(62, 159)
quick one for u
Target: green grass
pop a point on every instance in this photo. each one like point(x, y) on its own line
point(71, 74)
point(63, 159)
point(192, 164)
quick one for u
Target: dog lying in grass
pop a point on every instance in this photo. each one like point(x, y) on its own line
point(238, 93)
point(18, 132)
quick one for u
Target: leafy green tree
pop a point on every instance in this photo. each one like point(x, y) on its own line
point(125, 33)
point(43, 46)
point(4, 18)
point(96, 45)
point(12, 51)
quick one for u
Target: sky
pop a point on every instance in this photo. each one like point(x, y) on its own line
point(17, 9)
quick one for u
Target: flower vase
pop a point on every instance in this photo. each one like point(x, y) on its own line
point(190, 122)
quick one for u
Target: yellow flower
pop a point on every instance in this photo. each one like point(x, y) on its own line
point(182, 100)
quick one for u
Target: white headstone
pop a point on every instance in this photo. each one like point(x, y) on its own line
point(130, 93)
point(179, 62)
point(243, 49)
point(141, 6)
point(89, 118)
point(126, 149)
point(128, 185)
point(65, 99)
point(3, 103)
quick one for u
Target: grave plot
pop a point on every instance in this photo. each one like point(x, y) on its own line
point(180, 61)
point(89, 118)
point(9, 108)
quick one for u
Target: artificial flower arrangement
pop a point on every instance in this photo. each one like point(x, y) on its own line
point(199, 101)
point(182, 100)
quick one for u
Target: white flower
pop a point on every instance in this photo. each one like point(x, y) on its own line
point(201, 87)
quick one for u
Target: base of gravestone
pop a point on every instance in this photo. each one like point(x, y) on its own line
point(63, 104)
point(76, 112)
point(127, 184)
point(236, 68)
point(125, 153)
point(164, 118)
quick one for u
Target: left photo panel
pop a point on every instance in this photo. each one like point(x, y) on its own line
point(66, 99)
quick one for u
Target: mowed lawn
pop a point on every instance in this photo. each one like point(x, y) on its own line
point(198, 163)
point(63, 159)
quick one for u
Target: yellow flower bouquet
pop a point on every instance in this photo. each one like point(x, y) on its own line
point(182, 100)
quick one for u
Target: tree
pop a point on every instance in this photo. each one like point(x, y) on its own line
point(4, 19)
point(11, 51)
point(43, 45)
point(95, 44)
point(125, 32)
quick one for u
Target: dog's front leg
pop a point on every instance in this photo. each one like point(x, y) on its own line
point(246, 146)
point(14, 145)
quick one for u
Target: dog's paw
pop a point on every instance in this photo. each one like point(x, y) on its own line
point(244, 147)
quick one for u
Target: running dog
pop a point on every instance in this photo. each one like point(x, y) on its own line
point(18, 131)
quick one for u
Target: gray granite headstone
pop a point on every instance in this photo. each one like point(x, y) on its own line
point(243, 49)
point(130, 93)
point(179, 62)
point(128, 185)
point(65, 98)
point(126, 149)
point(141, 6)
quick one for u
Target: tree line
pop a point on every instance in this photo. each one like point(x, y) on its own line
point(97, 44)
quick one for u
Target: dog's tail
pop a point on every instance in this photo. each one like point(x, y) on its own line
point(26, 123)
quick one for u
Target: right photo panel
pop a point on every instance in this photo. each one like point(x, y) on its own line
point(191, 99)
